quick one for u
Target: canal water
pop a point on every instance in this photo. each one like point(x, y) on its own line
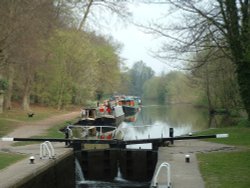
point(154, 121)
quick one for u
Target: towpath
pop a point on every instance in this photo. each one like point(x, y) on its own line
point(186, 174)
point(39, 127)
point(19, 172)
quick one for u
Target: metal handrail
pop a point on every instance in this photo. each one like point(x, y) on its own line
point(155, 178)
point(95, 126)
point(46, 148)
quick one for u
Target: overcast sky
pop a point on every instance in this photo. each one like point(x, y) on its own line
point(137, 44)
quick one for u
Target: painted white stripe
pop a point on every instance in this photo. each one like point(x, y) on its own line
point(7, 139)
point(222, 135)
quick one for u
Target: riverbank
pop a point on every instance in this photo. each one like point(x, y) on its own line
point(28, 129)
point(187, 174)
point(21, 172)
point(227, 168)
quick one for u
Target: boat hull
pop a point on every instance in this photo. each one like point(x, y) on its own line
point(104, 120)
point(130, 110)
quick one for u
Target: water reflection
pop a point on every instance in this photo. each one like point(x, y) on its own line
point(154, 121)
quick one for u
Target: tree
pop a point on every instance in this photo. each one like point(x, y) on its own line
point(224, 22)
point(218, 81)
point(139, 74)
point(25, 23)
point(90, 10)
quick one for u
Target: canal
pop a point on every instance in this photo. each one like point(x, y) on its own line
point(154, 121)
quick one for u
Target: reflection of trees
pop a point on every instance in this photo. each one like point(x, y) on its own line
point(173, 115)
point(219, 120)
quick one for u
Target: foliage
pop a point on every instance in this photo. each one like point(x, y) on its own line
point(79, 64)
point(210, 25)
point(151, 87)
point(139, 74)
point(217, 78)
point(51, 61)
point(3, 84)
point(174, 87)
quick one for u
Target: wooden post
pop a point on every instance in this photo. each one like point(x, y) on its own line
point(171, 135)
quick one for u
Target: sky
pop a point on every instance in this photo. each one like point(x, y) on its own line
point(137, 45)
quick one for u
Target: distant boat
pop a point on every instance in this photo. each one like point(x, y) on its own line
point(101, 116)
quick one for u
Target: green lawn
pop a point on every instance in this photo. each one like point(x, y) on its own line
point(238, 136)
point(227, 169)
point(6, 127)
point(8, 158)
point(10, 119)
point(51, 133)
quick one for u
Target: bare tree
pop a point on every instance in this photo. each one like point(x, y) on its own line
point(224, 22)
point(89, 9)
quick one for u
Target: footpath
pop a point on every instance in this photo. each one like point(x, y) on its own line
point(185, 174)
point(23, 170)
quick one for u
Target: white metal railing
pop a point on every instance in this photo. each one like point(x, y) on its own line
point(155, 178)
point(98, 134)
point(47, 149)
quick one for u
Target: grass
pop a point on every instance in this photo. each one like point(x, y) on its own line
point(10, 119)
point(238, 136)
point(8, 159)
point(21, 115)
point(227, 169)
point(53, 132)
point(6, 127)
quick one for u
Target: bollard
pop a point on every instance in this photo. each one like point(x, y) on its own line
point(171, 135)
point(187, 158)
point(32, 160)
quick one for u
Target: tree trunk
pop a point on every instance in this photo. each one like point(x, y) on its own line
point(85, 15)
point(26, 94)
point(26, 102)
point(207, 86)
point(243, 75)
point(1, 101)
point(60, 97)
point(8, 93)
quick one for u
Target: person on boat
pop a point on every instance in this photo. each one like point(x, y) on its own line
point(83, 113)
point(67, 133)
point(109, 107)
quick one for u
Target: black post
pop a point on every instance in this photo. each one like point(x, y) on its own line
point(171, 135)
point(77, 146)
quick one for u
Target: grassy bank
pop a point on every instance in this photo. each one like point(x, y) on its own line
point(7, 159)
point(227, 169)
point(10, 119)
point(53, 132)
point(13, 118)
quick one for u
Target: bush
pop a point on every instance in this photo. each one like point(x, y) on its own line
point(3, 84)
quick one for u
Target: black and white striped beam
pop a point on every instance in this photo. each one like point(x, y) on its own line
point(115, 142)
